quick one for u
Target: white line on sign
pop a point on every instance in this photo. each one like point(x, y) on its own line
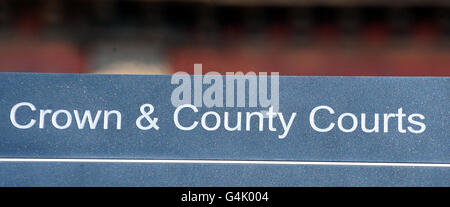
point(245, 162)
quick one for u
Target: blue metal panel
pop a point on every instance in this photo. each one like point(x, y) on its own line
point(126, 93)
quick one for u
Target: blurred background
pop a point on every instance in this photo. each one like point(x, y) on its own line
point(293, 37)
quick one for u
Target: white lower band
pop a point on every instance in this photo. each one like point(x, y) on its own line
point(244, 162)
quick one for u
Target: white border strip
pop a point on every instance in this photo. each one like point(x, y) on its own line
point(245, 162)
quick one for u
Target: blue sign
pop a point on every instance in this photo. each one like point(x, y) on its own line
point(142, 130)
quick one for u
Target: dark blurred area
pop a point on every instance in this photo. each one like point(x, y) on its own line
point(305, 37)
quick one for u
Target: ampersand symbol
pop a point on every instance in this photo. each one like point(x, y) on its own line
point(146, 115)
